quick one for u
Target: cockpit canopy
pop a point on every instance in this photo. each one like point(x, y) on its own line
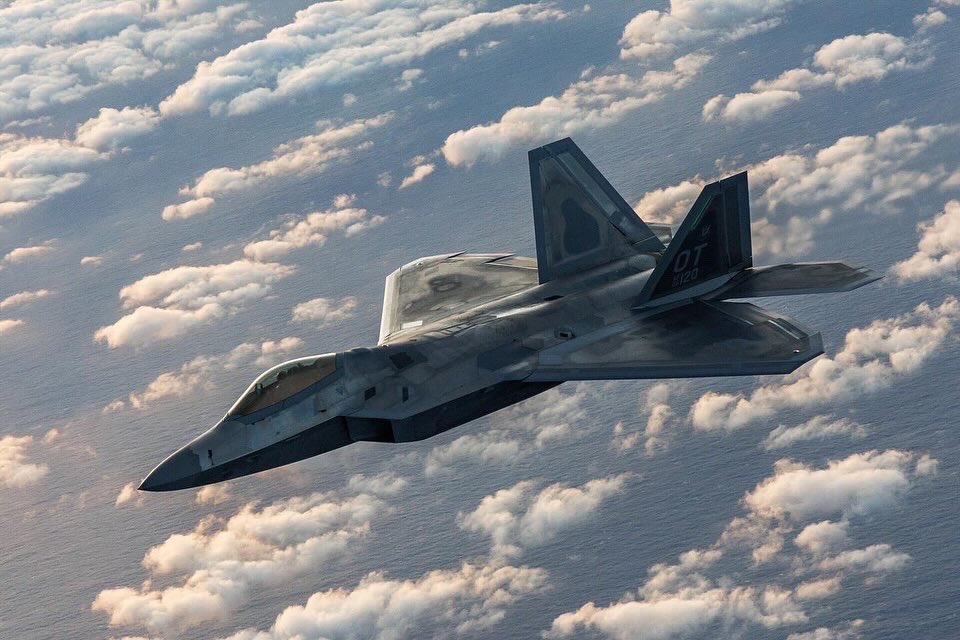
point(282, 381)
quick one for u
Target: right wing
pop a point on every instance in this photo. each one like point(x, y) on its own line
point(693, 340)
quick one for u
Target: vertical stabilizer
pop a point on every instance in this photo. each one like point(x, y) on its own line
point(713, 240)
point(581, 221)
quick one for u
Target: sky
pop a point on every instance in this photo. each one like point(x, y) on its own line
point(192, 191)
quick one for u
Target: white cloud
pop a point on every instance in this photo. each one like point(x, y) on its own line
point(383, 484)
point(313, 229)
point(24, 297)
point(845, 61)
point(129, 495)
point(659, 418)
point(938, 251)
point(193, 246)
point(873, 358)
point(324, 312)
point(586, 104)
point(471, 598)
point(22, 254)
point(849, 631)
point(16, 471)
point(307, 156)
point(519, 518)
point(215, 569)
point(816, 428)
point(679, 599)
point(207, 372)
point(687, 22)
point(408, 78)
point(114, 127)
point(91, 260)
point(862, 173)
point(420, 173)
point(535, 424)
point(331, 43)
point(213, 494)
point(173, 302)
point(56, 53)
point(923, 22)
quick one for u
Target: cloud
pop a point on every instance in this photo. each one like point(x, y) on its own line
point(848, 631)
point(938, 251)
point(693, 594)
point(176, 301)
point(332, 43)
point(862, 173)
point(207, 372)
point(307, 156)
point(16, 471)
point(589, 103)
point(408, 78)
point(56, 53)
point(214, 494)
point(24, 297)
point(923, 22)
point(841, 63)
point(873, 358)
point(816, 428)
point(218, 567)
point(537, 423)
point(114, 127)
point(91, 260)
point(659, 415)
point(420, 173)
point(22, 254)
point(313, 229)
point(380, 608)
point(687, 22)
point(519, 518)
point(193, 246)
point(324, 312)
point(129, 495)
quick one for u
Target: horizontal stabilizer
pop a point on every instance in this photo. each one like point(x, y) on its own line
point(693, 340)
point(796, 279)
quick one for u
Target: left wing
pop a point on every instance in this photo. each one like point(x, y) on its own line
point(689, 341)
point(428, 290)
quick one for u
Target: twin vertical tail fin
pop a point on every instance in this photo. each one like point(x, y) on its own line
point(712, 241)
point(581, 221)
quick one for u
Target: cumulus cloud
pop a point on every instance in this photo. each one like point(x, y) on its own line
point(91, 260)
point(16, 470)
point(938, 252)
point(873, 358)
point(24, 297)
point(313, 229)
point(324, 312)
point(689, 596)
point(114, 127)
point(471, 598)
point(660, 418)
point(586, 104)
point(22, 254)
point(844, 62)
point(213, 494)
point(129, 495)
point(537, 423)
point(208, 371)
point(173, 302)
point(331, 43)
point(519, 517)
point(933, 17)
point(56, 53)
point(8, 325)
point(816, 428)
point(862, 173)
point(215, 569)
point(848, 631)
point(420, 173)
point(688, 22)
point(306, 156)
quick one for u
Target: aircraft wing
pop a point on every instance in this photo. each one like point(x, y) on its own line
point(428, 290)
point(689, 341)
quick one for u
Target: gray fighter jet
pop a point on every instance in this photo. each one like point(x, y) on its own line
point(465, 334)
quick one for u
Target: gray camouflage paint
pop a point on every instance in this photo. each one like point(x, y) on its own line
point(463, 335)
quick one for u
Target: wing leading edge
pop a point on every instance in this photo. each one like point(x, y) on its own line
point(689, 341)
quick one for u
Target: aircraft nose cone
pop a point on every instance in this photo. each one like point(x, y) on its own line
point(179, 471)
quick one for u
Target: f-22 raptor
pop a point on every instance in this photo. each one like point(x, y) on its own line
point(609, 297)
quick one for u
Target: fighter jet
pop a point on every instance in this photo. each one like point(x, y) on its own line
point(608, 297)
